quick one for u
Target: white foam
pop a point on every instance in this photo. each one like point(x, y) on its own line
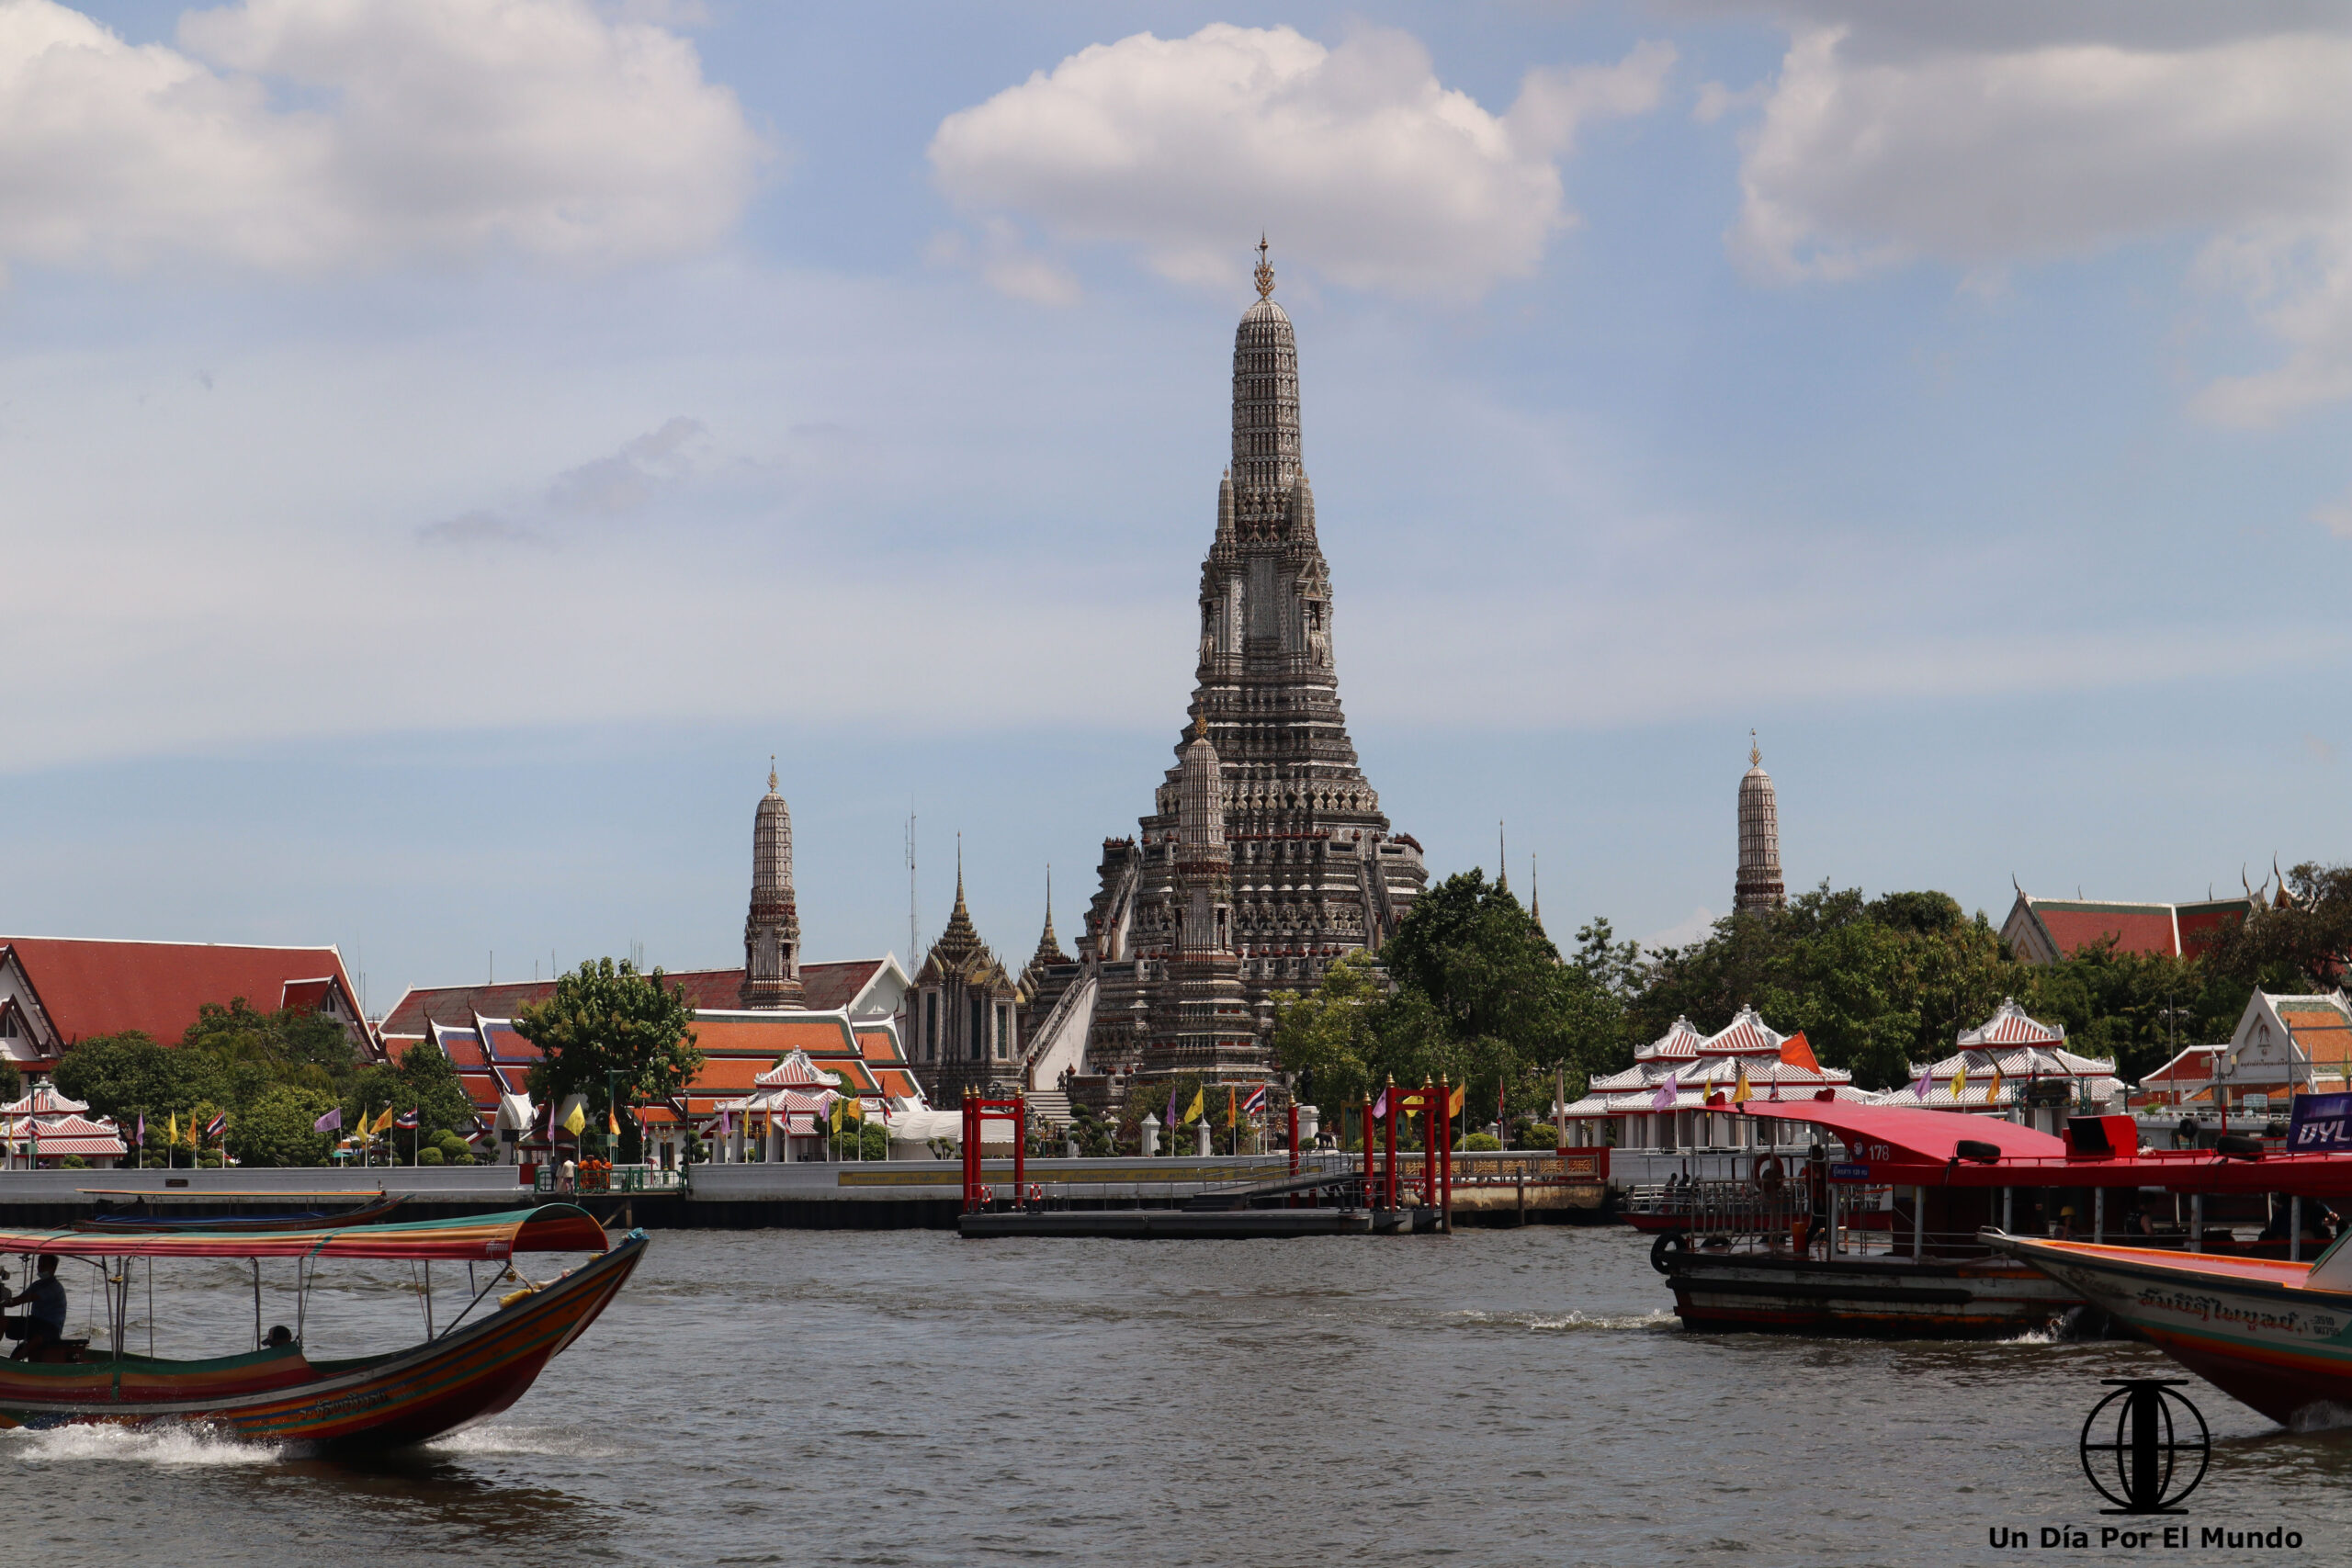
point(172, 1447)
point(1640, 1323)
point(2323, 1416)
point(560, 1441)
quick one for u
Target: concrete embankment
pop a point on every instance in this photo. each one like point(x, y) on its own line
point(882, 1195)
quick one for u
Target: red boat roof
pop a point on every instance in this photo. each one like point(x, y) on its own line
point(1928, 1136)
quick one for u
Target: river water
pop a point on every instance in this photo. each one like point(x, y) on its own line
point(1498, 1396)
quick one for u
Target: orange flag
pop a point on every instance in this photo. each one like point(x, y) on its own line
point(1796, 1052)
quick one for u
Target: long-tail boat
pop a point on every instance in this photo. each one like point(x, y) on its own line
point(471, 1369)
point(2273, 1334)
point(1903, 1204)
point(378, 1206)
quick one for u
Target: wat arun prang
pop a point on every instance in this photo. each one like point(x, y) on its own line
point(1203, 915)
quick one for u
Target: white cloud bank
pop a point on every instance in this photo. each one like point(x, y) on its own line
point(1359, 163)
point(301, 136)
point(1987, 135)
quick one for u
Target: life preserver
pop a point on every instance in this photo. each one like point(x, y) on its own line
point(1771, 1174)
point(1667, 1241)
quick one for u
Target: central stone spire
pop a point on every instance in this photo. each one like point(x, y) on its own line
point(1313, 870)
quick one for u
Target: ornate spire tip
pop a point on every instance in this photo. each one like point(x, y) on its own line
point(1265, 270)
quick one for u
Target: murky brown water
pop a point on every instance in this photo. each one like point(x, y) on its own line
point(1512, 1396)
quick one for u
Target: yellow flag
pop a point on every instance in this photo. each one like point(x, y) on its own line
point(611, 1122)
point(576, 1121)
point(1993, 1095)
point(1960, 1083)
point(1229, 1106)
point(172, 1133)
point(1193, 1111)
point(1454, 1105)
point(853, 1109)
point(834, 1115)
point(1740, 1093)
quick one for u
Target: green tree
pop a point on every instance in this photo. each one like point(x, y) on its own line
point(255, 1051)
point(606, 1025)
point(127, 1076)
point(2303, 946)
point(278, 1128)
point(1328, 1040)
point(12, 1082)
point(1484, 999)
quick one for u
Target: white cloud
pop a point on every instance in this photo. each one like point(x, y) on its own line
point(1360, 164)
point(2017, 136)
point(2336, 516)
point(624, 482)
point(306, 135)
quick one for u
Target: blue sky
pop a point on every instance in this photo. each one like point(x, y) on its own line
point(446, 447)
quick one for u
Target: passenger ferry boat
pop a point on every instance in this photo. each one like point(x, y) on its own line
point(469, 1369)
point(2271, 1333)
point(1880, 1235)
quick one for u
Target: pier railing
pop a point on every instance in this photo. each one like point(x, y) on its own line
point(619, 1179)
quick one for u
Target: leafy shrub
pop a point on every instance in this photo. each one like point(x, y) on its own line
point(1536, 1135)
point(464, 1156)
point(1481, 1142)
point(73, 1162)
point(428, 1155)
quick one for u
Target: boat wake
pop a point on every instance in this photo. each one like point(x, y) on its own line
point(167, 1447)
point(2325, 1416)
point(1580, 1322)
point(498, 1442)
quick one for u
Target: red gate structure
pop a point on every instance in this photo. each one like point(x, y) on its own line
point(1434, 1104)
point(976, 1197)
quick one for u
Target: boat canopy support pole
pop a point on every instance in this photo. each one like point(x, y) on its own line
point(2295, 1229)
point(497, 1276)
point(2197, 1222)
point(2008, 1212)
point(2099, 1216)
point(1919, 1223)
point(256, 1303)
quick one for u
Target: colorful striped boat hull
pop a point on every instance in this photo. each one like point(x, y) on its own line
point(379, 1402)
point(2252, 1328)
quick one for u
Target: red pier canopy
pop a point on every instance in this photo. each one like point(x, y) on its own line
point(1911, 1137)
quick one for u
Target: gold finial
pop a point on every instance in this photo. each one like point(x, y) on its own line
point(1754, 752)
point(771, 772)
point(1265, 270)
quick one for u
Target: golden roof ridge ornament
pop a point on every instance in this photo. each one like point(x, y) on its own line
point(1754, 752)
point(771, 772)
point(1265, 270)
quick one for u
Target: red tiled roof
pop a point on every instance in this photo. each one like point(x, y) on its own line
point(829, 985)
point(2323, 1033)
point(90, 987)
point(772, 1034)
point(2136, 928)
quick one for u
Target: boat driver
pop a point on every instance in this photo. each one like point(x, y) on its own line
point(44, 1324)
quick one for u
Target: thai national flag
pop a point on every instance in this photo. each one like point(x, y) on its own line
point(1256, 1104)
point(212, 1128)
point(406, 1121)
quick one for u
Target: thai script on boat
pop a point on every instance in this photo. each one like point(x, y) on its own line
point(2214, 1309)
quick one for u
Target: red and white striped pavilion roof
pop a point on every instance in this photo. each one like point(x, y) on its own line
point(2010, 1025)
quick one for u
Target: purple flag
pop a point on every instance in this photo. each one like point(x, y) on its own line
point(142, 1129)
point(1168, 1118)
point(1669, 1090)
point(1927, 1084)
point(331, 1123)
point(1379, 1106)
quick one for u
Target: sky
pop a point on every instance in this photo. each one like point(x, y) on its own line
point(448, 446)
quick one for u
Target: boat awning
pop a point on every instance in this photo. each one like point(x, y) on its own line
point(551, 1227)
point(1927, 1137)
